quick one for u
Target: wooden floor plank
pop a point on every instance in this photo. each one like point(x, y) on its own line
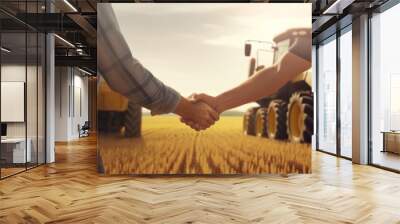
point(71, 191)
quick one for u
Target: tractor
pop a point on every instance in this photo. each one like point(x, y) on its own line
point(286, 115)
point(116, 114)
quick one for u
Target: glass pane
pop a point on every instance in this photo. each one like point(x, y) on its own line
point(31, 88)
point(13, 85)
point(346, 94)
point(41, 99)
point(327, 96)
point(385, 84)
point(31, 98)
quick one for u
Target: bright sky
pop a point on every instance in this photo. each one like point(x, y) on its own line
point(200, 47)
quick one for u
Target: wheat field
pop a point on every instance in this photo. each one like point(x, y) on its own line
point(169, 147)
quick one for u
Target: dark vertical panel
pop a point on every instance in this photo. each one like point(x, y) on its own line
point(60, 75)
point(26, 79)
point(316, 112)
point(338, 73)
point(80, 102)
point(45, 86)
point(69, 92)
point(37, 91)
point(42, 99)
point(73, 91)
point(1, 163)
point(369, 96)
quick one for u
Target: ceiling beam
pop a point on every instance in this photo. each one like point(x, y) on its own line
point(81, 61)
point(84, 24)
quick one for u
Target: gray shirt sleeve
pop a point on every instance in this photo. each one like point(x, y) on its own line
point(302, 48)
point(124, 73)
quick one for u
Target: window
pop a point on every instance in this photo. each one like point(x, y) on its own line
point(346, 93)
point(22, 88)
point(327, 96)
point(385, 89)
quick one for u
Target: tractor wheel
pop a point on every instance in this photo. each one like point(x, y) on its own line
point(300, 117)
point(249, 121)
point(110, 121)
point(276, 120)
point(261, 122)
point(133, 120)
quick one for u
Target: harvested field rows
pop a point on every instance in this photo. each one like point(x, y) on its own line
point(169, 147)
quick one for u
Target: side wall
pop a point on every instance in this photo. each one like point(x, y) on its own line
point(71, 102)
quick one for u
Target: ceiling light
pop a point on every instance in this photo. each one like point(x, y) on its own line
point(84, 71)
point(70, 5)
point(5, 50)
point(338, 6)
point(65, 41)
point(79, 51)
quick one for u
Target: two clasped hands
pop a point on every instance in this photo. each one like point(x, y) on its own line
point(199, 111)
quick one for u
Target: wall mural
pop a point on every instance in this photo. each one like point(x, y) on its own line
point(204, 88)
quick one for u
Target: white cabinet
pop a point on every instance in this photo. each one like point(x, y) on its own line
point(16, 147)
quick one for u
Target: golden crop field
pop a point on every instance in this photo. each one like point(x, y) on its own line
point(169, 147)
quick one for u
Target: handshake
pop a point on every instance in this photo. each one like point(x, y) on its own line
point(199, 111)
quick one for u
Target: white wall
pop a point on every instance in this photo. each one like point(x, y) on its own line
point(79, 112)
point(61, 103)
point(33, 127)
point(14, 73)
point(360, 90)
point(71, 87)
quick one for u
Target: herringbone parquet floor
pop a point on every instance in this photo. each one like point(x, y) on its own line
point(71, 191)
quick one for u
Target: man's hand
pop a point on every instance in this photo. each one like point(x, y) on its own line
point(210, 100)
point(198, 113)
point(200, 98)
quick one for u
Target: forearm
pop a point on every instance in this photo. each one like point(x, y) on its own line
point(256, 87)
point(124, 73)
point(183, 107)
point(263, 83)
point(164, 100)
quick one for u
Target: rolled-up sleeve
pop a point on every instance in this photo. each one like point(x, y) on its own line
point(124, 73)
point(302, 48)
